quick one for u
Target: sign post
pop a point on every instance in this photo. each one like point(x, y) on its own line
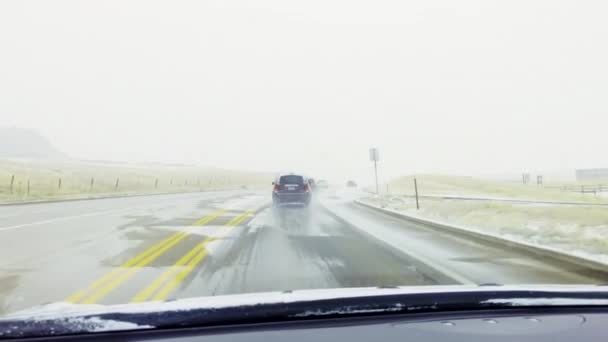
point(416, 191)
point(374, 155)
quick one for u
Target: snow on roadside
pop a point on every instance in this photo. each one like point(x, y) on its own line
point(580, 231)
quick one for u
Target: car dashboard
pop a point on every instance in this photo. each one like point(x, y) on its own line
point(529, 325)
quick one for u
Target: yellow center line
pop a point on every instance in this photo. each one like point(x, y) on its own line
point(115, 272)
point(237, 220)
point(99, 294)
point(148, 291)
point(168, 288)
point(101, 287)
point(170, 279)
point(244, 217)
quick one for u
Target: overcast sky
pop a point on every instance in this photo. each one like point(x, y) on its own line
point(464, 87)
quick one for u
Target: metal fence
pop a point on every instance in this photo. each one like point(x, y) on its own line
point(583, 189)
point(24, 187)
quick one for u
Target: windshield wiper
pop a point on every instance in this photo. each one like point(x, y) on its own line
point(425, 302)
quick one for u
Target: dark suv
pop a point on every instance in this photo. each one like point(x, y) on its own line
point(291, 189)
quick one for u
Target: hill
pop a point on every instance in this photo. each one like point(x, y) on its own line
point(26, 143)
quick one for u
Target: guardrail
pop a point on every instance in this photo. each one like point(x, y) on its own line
point(584, 189)
point(582, 265)
point(512, 200)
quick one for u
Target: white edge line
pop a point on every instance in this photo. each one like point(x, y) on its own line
point(59, 219)
point(441, 269)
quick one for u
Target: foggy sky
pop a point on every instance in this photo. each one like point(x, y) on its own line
point(461, 87)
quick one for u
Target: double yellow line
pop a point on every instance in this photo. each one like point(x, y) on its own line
point(166, 283)
point(101, 287)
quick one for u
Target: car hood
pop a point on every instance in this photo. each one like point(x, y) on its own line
point(62, 318)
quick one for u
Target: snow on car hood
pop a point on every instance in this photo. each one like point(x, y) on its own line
point(63, 310)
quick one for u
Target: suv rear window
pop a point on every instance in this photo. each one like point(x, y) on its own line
point(291, 179)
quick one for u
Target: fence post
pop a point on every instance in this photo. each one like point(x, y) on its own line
point(59, 184)
point(156, 183)
point(28, 187)
point(416, 190)
point(116, 185)
point(92, 183)
point(12, 183)
point(171, 181)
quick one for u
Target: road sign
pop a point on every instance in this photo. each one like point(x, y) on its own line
point(374, 154)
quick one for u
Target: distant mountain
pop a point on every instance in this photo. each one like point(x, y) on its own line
point(26, 143)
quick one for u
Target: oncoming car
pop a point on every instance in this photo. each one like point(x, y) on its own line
point(291, 189)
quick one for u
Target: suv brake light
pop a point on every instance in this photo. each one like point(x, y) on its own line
point(306, 188)
point(276, 188)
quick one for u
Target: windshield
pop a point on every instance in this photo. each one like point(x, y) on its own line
point(153, 151)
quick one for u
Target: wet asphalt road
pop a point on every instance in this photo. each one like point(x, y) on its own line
point(188, 245)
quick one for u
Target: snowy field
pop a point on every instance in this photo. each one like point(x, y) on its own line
point(489, 188)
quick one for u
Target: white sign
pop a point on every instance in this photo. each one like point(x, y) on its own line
point(374, 154)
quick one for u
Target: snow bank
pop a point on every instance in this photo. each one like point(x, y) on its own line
point(577, 230)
